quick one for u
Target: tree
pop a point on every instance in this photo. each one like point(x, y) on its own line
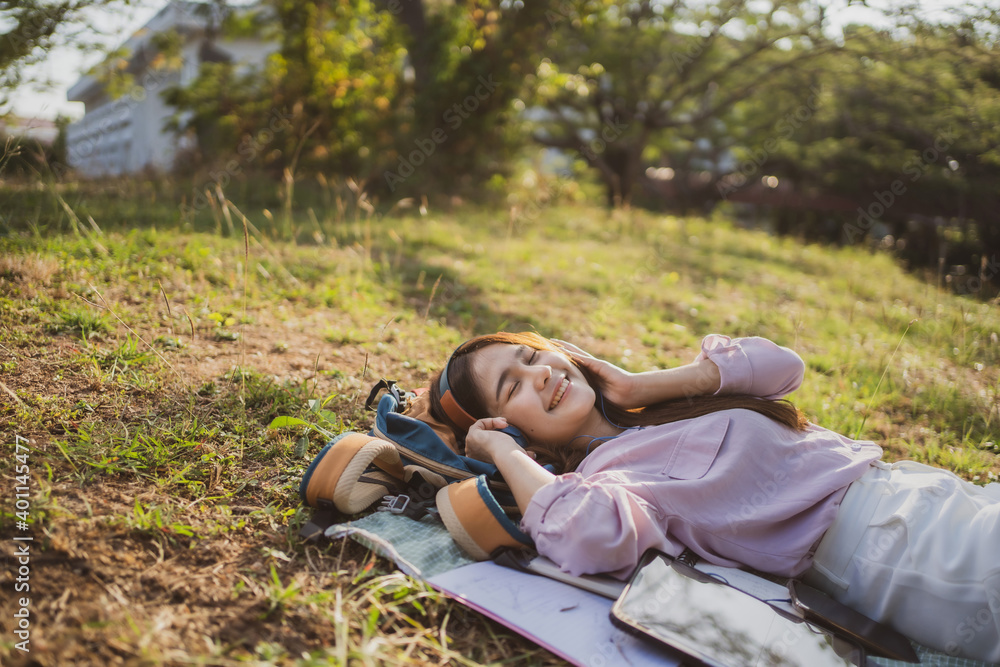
point(907, 130)
point(31, 28)
point(636, 82)
point(323, 102)
point(374, 90)
point(468, 60)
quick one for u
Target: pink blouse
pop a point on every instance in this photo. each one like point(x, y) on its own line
point(733, 486)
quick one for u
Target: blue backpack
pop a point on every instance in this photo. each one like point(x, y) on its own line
point(409, 464)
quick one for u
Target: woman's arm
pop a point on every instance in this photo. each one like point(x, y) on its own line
point(585, 528)
point(695, 379)
point(725, 365)
point(754, 366)
point(593, 526)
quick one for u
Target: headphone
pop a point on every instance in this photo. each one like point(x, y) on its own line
point(449, 403)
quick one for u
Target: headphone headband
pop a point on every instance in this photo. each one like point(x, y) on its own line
point(449, 403)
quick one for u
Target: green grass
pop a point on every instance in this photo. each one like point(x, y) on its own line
point(146, 354)
point(85, 323)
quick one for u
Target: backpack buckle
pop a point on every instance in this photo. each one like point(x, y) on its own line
point(403, 504)
point(389, 386)
point(394, 504)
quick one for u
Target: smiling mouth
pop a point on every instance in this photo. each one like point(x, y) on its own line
point(560, 391)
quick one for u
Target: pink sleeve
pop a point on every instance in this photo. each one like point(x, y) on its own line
point(591, 527)
point(754, 366)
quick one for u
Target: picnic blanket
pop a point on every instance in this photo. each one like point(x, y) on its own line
point(572, 623)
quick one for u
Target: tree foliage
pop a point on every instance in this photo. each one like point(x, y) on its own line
point(628, 84)
point(29, 28)
point(868, 128)
point(375, 90)
point(908, 131)
point(468, 60)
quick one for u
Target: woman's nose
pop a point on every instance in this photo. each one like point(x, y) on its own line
point(540, 374)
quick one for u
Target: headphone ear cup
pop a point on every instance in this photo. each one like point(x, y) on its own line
point(352, 472)
point(475, 519)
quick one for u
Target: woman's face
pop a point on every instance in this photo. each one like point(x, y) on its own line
point(541, 392)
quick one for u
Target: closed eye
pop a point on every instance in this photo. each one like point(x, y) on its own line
point(514, 387)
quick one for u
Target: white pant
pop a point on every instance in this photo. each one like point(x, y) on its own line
point(919, 549)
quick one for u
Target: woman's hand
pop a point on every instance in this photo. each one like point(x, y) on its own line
point(485, 441)
point(522, 474)
point(619, 385)
point(636, 390)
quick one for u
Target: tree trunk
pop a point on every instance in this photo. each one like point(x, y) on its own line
point(621, 168)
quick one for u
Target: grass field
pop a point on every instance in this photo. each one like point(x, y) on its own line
point(145, 349)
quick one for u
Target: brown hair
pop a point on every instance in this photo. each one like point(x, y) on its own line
point(564, 458)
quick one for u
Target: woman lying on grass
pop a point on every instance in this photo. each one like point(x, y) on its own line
point(705, 456)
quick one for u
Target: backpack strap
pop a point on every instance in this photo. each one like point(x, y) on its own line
point(390, 387)
point(418, 500)
point(319, 521)
point(420, 445)
point(355, 471)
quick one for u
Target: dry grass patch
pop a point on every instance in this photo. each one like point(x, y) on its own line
point(33, 268)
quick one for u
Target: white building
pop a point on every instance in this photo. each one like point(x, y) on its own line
point(126, 135)
point(38, 130)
